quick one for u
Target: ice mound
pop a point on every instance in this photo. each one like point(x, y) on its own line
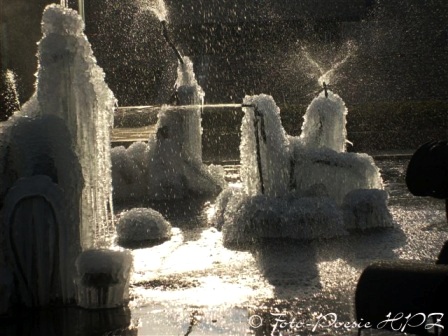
point(170, 165)
point(324, 123)
point(250, 218)
point(339, 172)
point(366, 209)
point(103, 278)
point(303, 187)
point(142, 225)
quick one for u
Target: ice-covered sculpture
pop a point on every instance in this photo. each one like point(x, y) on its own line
point(170, 166)
point(303, 187)
point(55, 160)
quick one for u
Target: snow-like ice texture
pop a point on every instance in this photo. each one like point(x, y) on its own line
point(41, 181)
point(339, 172)
point(248, 218)
point(324, 123)
point(265, 160)
point(142, 224)
point(305, 178)
point(130, 171)
point(6, 289)
point(103, 278)
point(366, 209)
point(172, 160)
point(71, 86)
point(9, 98)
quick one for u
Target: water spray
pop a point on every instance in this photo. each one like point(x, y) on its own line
point(170, 43)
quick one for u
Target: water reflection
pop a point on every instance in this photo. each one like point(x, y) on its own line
point(68, 322)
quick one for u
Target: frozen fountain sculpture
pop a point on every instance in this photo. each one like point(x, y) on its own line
point(170, 166)
point(305, 187)
point(55, 157)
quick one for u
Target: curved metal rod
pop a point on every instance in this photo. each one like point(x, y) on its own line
point(170, 43)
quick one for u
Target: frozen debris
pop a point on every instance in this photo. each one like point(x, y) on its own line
point(103, 278)
point(366, 209)
point(141, 225)
point(324, 123)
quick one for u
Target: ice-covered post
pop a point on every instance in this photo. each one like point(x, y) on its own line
point(71, 86)
point(265, 163)
point(324, 122)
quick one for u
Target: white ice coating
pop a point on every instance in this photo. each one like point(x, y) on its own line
point(340, 173)
point(55, 159)
point(103, 278)
point(142, 224)
point(170, 165)
point(264, 119)
point(10, 96)
point(71, 86)
point(324, 123)
point(312, 187)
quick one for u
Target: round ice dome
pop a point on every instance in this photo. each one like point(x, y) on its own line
point(142, 226)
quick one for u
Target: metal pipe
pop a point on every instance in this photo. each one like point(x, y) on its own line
point(258, 115)
point(156, 107)
point(170, 43)
point(325, 89)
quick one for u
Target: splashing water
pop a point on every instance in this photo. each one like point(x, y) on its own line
point(157, 7)
point(327, 75)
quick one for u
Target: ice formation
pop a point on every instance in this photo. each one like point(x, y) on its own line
point(55, 161)
point(9, 98)
point(324, 123)
point(264, 148)
point(71, 86)
point(142, 225)
point(303, 187)
point(170, 165)
point(103, 278)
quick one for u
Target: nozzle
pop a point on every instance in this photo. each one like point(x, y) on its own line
point(168, 40)
point(325, 89)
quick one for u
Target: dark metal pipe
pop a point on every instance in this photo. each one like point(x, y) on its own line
point(258, 115)
point(170, 43)
point(325, 89)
